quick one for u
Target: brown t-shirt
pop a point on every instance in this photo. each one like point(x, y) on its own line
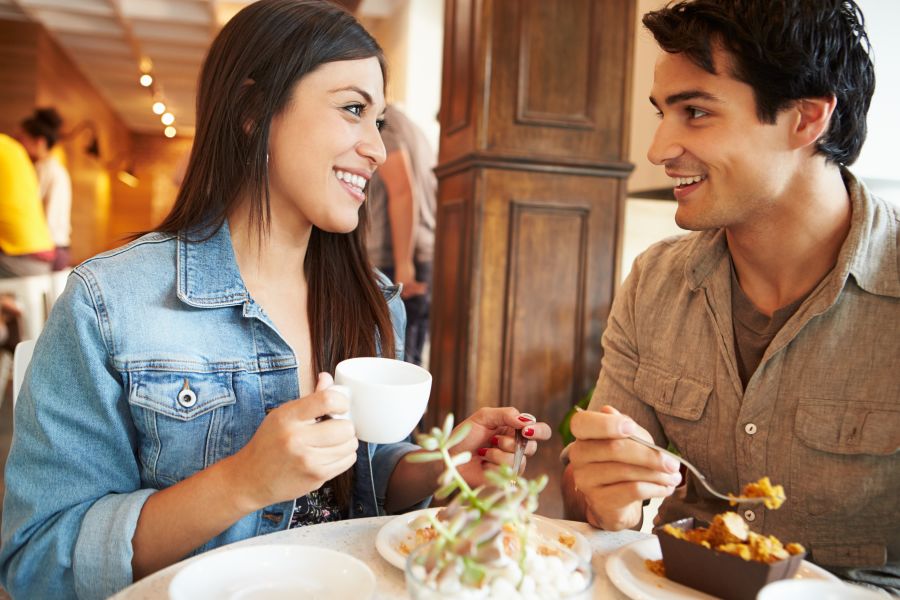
point(753, 330)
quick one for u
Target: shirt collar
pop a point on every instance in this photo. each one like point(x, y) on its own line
point(709, 248)
point(869, 252)
point(208, 274)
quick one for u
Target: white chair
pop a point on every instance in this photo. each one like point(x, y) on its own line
point(21, 359)
point(6, 369)
point(31, 293)
point(57, 285)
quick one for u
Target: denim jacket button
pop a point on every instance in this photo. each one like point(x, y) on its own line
point(186, 397)
point(359, 507)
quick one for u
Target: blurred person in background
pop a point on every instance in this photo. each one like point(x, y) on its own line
point(26, 247)
point(39, 135)
point(402, 205)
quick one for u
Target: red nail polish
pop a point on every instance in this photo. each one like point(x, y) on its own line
point(524, 419)
point(495, 440)
point(482, 451)
point(529, 431)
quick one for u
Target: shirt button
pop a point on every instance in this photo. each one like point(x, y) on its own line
point(750, 515)
point(359, 507)
point(750, 428)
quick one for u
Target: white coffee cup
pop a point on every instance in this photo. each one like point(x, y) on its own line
point(387, 396)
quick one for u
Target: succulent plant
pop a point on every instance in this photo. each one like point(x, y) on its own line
point(470, 542)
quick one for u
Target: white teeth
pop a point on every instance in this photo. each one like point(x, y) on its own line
point(681, 181)
point(357, 181)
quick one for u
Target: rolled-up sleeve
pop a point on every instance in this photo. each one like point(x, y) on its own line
point(73, 488)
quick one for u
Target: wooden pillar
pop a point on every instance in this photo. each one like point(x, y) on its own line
point(532, 170)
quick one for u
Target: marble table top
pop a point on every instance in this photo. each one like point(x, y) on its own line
point(357, 538)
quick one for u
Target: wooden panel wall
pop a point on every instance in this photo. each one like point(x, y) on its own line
point(34, 71)
point(18, 72)
point(532, 166)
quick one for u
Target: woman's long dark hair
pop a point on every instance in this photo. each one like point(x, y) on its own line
point(247, 79)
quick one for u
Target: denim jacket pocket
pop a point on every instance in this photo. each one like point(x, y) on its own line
point(184, 421)
point(842, 459)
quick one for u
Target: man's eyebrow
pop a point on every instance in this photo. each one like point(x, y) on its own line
point(685, 96)
point(353, 88)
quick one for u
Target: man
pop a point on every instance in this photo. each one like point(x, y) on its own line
point(401, 210)
point(766, 342)
point(39, 134)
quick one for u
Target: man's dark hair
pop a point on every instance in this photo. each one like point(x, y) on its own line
point(785, 50)
point(44, 123)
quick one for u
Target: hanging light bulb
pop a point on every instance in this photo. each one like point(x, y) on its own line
point(170, 132)
point(146, 79)
point(159, 107)
point(167, 118)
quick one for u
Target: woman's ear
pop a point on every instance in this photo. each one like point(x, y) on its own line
point(812, 118)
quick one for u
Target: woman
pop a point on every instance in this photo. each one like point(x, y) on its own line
point(160, 414)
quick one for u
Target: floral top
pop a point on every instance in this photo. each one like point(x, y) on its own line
point(318, 506)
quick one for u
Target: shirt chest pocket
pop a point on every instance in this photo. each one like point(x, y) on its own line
point(680, 403)
point(846, 456)
point(184, 422)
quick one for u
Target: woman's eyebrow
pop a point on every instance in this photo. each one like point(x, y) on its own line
point(352, 88)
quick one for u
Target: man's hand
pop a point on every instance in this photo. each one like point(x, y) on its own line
point(614, 475)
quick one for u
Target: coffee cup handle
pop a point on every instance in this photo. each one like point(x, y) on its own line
point(345, 391)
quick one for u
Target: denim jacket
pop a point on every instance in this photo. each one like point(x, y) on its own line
point(101, 422)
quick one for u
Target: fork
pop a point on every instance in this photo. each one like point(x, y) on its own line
point(700, 477)
point(520, 452)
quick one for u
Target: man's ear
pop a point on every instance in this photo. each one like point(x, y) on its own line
point(811, 120)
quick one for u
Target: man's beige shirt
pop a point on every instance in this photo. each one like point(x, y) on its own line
point(821, 414)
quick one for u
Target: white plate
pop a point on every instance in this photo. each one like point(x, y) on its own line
point(274, 572)
point(626, 569)
point(398, 531)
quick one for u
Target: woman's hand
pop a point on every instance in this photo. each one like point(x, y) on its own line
point(295, 451)
point(492, 440)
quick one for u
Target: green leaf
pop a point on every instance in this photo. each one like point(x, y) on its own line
point(422, 457)
point(496, 477)
point(448, 425)
point(459, 435)
point(462, 458)
point(564, 430)
point(427, 442)
point(446, 490)
point(473, 573)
